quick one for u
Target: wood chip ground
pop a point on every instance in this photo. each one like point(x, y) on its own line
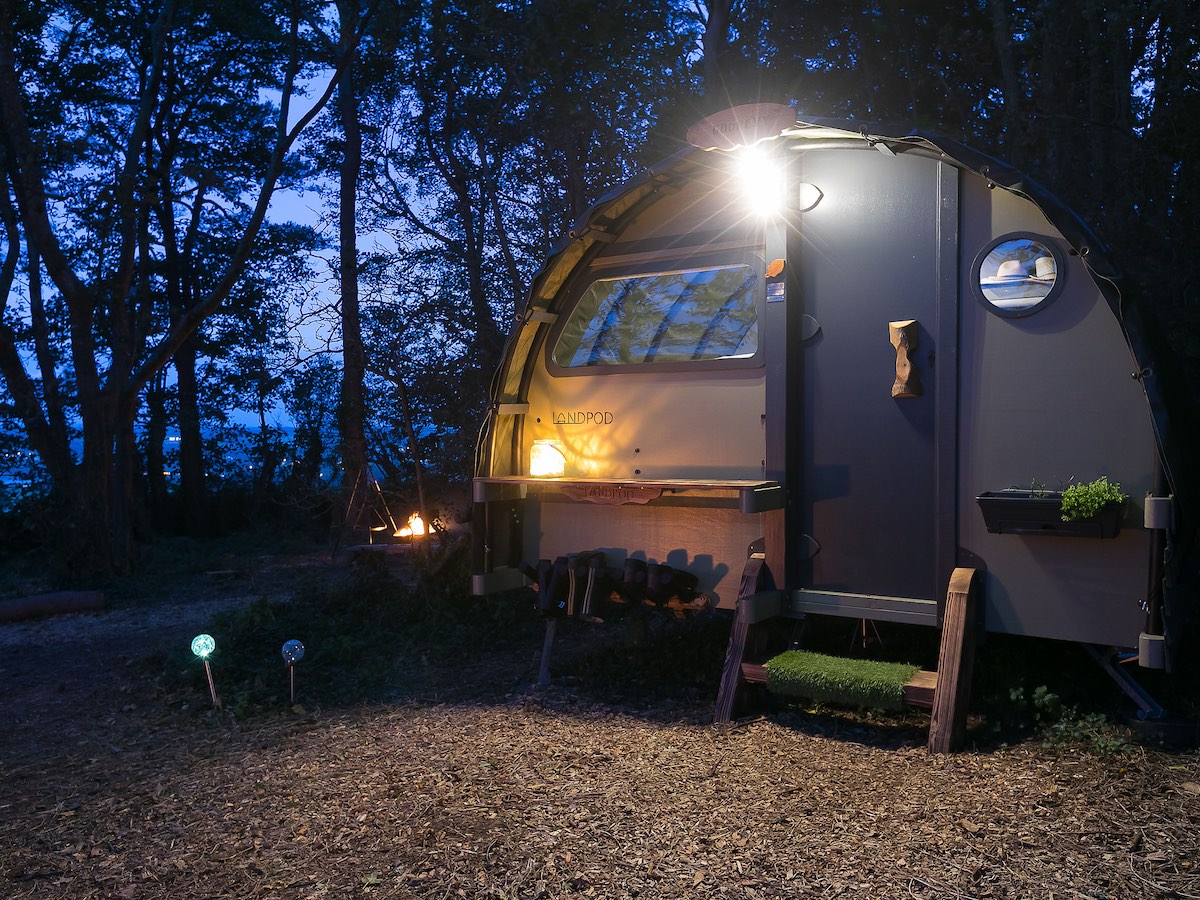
point(112, 789)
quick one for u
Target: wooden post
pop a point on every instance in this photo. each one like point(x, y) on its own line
point(755, 577)
point(956, 659)
point(547, 646)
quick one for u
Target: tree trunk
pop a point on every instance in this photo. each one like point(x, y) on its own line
point(88, 529)
point(47, 433)
point(414, 451)
point(715, 44)
point(156, 461)
point(1002, 40)
point(194, 509)
point(351, 402)
point(124, 501)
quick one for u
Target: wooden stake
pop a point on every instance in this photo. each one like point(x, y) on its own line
point(212, 687)
point(956, 659)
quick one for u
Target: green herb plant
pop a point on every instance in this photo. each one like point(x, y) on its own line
point(1082, 501)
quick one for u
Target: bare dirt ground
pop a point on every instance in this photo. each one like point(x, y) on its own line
point(115, 788)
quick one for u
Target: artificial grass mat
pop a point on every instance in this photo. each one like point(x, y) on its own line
point(855, 682)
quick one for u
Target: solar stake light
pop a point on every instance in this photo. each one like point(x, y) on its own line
point(293, 652)
point(203, 645)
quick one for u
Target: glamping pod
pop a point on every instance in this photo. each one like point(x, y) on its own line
point(864, 361)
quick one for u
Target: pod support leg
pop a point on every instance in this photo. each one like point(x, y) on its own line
point(1148, 707)
point(547, 646)
point(757, 602)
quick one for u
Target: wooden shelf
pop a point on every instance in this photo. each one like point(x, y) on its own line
point(751, 495)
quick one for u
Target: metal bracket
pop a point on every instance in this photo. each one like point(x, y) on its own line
point(1157, 513)
point(760, 498)
point(511, 409)
point(1150, 708)
point(595, 233)
point(490, 491)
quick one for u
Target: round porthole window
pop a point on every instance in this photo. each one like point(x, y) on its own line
point(1018, 274)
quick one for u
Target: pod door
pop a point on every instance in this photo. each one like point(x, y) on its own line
point(877, 280)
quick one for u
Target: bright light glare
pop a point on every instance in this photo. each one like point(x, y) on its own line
point(547, 460)
point(203, 645)
point(761, 180)
point(415, 526)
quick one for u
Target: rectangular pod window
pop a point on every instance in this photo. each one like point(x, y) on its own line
point(686, 316)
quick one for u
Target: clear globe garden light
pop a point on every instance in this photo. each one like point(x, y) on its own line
point(203, 646)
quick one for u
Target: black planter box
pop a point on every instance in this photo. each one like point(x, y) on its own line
point(1024, 512)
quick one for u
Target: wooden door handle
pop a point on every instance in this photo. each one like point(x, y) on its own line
point(904, 338)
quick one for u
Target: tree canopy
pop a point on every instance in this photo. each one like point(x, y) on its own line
point(150, 289)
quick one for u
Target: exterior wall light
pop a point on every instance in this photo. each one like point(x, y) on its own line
point(547, 460)
point(761, 178)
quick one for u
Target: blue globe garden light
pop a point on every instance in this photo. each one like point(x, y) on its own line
point(293, 652)
point(203, 646)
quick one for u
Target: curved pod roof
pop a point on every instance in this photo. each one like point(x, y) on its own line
point(598, 226)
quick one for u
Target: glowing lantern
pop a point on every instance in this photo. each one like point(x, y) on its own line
point(547, 459)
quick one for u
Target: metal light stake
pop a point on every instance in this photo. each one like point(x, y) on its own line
point(293, 652)
point(203, 645)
